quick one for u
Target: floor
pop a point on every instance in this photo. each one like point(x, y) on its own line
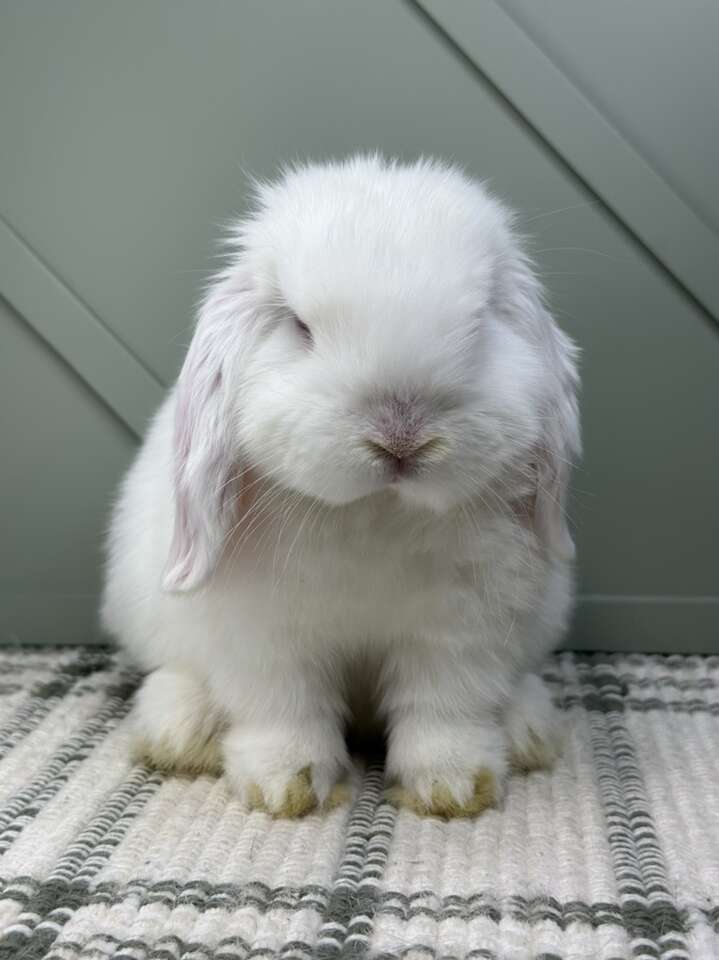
point(614, 854)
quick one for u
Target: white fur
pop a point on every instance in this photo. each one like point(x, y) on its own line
point(258, 541)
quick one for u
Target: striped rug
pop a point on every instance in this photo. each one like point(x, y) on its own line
point(615, 854)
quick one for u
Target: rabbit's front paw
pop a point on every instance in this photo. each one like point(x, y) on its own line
point(533, 726)
point(288, 773)
point(175, 728)
point(435, 794)
point(450, 771)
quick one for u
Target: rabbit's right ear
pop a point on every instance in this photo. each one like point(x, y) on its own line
point(207, 472)
point(560, 445)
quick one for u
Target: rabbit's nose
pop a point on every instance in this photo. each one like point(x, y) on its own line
point(400, 435)
point(403, 449)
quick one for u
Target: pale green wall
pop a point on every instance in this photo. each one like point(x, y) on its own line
point(651, 67)
point(63, 453)
point(126, 127)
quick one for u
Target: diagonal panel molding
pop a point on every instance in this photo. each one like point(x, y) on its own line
point(582, 136)
point(76, 334)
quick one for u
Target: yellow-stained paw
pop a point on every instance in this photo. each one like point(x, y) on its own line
point(443, 804)
point(534, 753)
point(299, 799)
point(195, 758)
point(533, 727)
point(175, 726)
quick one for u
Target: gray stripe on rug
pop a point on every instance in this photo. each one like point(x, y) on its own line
point(198, 894)
point(26, 804)
point(626, 679)
point(67, 889)
point(50, 904)
point(657, 927)
point(604, 702)
point(172, 947)
point(204, 896)
point(45, 695)
point(678, 662)
point(351, 906)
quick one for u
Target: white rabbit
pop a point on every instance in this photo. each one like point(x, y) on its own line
point(356, 487)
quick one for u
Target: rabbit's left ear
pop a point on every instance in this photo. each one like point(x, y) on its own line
point(206, 472)
point(550, 520)
point(559, 447)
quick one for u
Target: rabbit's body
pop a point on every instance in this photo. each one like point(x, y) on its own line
point(432, 598)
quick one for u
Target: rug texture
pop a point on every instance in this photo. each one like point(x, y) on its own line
point(614, 854)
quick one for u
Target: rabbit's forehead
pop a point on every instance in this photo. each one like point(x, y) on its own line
point(383, 268)
point(362, 241)
point(386, 235)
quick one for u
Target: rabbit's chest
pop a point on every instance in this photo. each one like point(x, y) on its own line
point(384, 587)
point(373, 598)
point(337, 578)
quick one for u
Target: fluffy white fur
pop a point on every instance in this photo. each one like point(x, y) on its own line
point(269, 559)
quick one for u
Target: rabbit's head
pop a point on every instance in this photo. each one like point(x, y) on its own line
point(377, 327)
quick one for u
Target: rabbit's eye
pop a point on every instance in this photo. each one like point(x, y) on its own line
point(303, 330)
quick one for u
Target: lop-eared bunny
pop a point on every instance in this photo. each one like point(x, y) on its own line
point(355, 489)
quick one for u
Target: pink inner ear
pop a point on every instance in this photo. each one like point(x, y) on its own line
point(196, 547)
point(542, 509)
point(238, 498)
point(524, 509)
point(550, 519)
point(178, 569)
point(201, 451)
point(204, 446)
point(524, 505)
point(242, 491)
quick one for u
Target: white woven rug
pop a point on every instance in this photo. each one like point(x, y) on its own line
point(615, 854)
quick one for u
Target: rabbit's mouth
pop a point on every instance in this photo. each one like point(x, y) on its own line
point(401, 469)
point(406, 459)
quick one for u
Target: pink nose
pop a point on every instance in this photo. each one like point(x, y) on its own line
point(403, 458)
point(400, 436)
point(398, 428)
point(398, 447)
